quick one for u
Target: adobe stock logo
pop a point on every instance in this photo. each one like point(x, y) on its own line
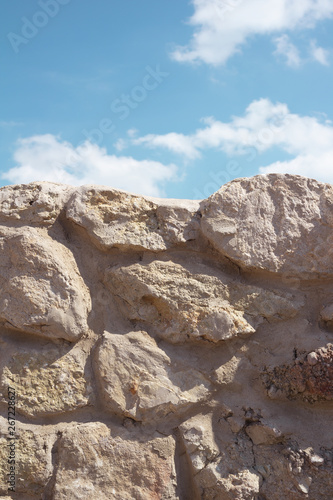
point(30, 28)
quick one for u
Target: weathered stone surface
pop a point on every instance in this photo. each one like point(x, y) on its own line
point(310, 377)
point(278, 223)
point(290, 472)
point(114, 218)
point(38, 203)
point(48, 380)
point(219, 472)
point(146, 364)
point(263, 433)
point(32, 461)
point(96, 462)
point(140, 381)
point(326, 317)
point(184, 305)
point(261, 462)
point(41, 290)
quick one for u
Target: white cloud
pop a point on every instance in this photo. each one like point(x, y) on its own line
point(177, 143)
point(221, 27)
point(47, 158)
point(315, 167)
point(285, 48)
point(319, 54)
point(231, 137)
point(263, 126)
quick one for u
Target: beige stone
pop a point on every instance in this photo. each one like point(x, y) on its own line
point(114, 218)
point(41, 289)
point(48, 380)
point(37, 203)
point(278, 223)
point(218, 471)
point(225, 374)
point(182, 305)
point(140, 381)
point(97, 462)
point(199, 440)
point(263, 433)
point(33, 460)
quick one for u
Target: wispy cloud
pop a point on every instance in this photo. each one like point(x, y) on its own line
point(291, 54)
point(48, 158)
point(100, 81)
point(286, 49)
point(10, 124)
point(222, 27)
point(319, 54)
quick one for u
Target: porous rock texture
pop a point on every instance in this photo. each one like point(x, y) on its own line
point(167, 349)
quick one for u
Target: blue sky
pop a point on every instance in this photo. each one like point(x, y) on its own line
point(167, 98)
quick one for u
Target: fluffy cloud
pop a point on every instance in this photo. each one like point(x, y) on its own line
point(264, 126)
point(47, 158)
point(315, 167)
point(221, 27)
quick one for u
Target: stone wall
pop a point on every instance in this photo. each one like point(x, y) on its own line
point(167, 349)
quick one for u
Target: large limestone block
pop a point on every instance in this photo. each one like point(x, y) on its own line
point(37, 203)
point(94, 462)
point(41, 289)
point(114, 218)
point(278, 223)
point(181, 305)
point(140, 381)
point(31, 452)
point(48, 380)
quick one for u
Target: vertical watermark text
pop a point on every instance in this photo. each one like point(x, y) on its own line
point(11, 439)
